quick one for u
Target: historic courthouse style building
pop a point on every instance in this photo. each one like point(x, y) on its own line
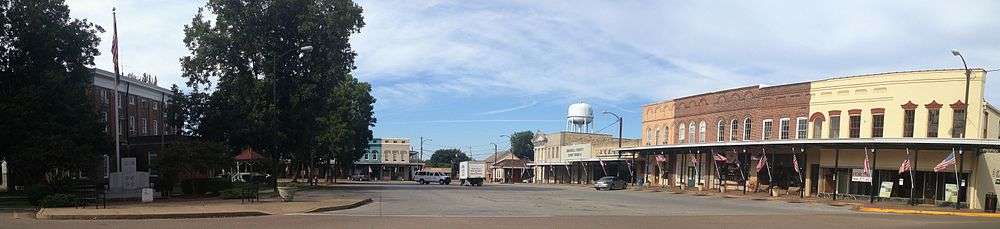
point(831, 128)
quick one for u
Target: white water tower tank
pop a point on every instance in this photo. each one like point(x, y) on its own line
point(579, 117)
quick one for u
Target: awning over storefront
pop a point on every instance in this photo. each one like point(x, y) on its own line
point(895, 143)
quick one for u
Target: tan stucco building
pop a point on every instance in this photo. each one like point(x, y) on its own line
point(577, 158)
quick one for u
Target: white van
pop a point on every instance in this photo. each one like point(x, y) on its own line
point(425, 177)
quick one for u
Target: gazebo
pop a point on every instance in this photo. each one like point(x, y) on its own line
point(248, 155)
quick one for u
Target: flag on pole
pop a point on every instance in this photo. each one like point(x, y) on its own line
point(948, 161)
point(719, 157)
point(795, 163)
point(867, 168)
point(906, 166)
point(661, 158)
point(762, 162)
point(693, 160)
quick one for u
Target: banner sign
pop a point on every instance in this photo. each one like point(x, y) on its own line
point(886, 190)
point(859, 175)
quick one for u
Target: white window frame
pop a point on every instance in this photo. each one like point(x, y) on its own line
point(702, 128)
point(747, 131)
point(734, 133)
point(682, 134)
point(155, 128)
point(798, 127)
point(764, 128)
point(666, 135)
point(656, 136)
point(692, 138)
point(721, 131)
point(782, 124)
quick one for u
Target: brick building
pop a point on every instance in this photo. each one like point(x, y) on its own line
point(140, 114)
point(831, 127)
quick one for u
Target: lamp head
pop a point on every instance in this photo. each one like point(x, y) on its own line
point(306, 48)
point(955, 52)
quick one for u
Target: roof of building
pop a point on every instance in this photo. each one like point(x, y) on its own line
point(899, 143)
point(830, 78)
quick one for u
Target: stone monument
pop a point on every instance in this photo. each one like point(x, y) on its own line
point(3, 176)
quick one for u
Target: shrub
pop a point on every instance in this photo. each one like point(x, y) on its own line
point(37, 192)
point(58, 200)
point(232, 193)
point(205, 186)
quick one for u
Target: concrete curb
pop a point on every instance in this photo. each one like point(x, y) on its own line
point(341, 207)
point(924, 212)
point(41, 215)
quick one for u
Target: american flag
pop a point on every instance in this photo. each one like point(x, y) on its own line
point(949, 161)
point(795, 163)
point(660, 158)
point(719, 157)
point(906, 166)
point(867, 168)
point(762, 162)
point(694, 160)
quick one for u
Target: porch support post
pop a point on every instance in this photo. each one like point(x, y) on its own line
point(913, 180)
point(836, 173)
point(874, 181)
point(958, 180)
point(802, 181)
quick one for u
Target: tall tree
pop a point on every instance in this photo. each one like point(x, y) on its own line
point(176, 111)
point(47, 115)
point(522, 146)
point(265, 95)
point(448, 156)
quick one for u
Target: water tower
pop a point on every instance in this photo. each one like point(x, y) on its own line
point(580, 118)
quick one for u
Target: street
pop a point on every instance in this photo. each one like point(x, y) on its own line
point(408, 205)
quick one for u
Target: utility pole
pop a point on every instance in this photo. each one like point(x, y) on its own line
point(422, 139)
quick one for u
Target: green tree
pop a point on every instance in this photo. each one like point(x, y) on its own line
point(522, 146)
point(446, 157)
point(265, 96)
point(176, 111)
point(47, 115)
point(191, 159)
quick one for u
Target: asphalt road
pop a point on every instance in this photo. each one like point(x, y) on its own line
point(540, 206)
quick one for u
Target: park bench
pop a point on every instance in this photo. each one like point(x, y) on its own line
point(88, 193)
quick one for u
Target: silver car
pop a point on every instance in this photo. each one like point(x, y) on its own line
point(610, 183)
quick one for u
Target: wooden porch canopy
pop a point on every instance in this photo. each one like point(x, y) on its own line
point(843, 143)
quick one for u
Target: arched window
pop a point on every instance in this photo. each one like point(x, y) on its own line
point(649, 136)
point(701, 131)
point(666, 135)
point(720, 133)
point(691, 132)
point(681, 134)
point(374, 155)
point(747, 128)
point(656, 137)
point(734, 131)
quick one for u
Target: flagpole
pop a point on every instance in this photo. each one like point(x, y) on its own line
point(114, 19)
point(913, 165)
point(770, 180)
point(739, 167)
point(958, 180)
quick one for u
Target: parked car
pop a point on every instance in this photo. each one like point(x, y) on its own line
point(610, 183)
point(359, 177)
point(424, 177)
point(249, 177)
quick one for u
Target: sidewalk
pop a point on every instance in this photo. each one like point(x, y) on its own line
point(858, 205)
point(200, 209)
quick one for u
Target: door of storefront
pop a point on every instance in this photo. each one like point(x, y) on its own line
point(692, 176)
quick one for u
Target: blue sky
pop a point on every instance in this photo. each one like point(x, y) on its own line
point(465, 72)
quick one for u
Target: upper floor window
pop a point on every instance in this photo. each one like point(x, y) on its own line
point(656, 136)
point(701, 131)
point(783, 128)
point(909, 117)
point(691, 132)
point(818, 129)
point(666, 135)
point(835, 127)
point(681, 133)
point(155, 128)
point(720, 131)
point(734, 130)
point(933, 118)
point(958, 124)
point(855, 126)
point(649, 136)
point(766, 134)
point(747, 128)
point(801, 128)
point(878, 125)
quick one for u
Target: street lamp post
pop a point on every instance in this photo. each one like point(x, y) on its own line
point(619, 120)
point(422, 140)
point(965, 120)
point(496, 158)
point(274, 119)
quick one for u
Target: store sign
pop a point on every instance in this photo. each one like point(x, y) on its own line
point(885, 190)
point(859, 175)
point(576, 152)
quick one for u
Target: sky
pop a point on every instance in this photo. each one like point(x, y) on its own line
point(463, 73)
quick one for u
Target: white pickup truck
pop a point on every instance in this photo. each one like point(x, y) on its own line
point(472, 173)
